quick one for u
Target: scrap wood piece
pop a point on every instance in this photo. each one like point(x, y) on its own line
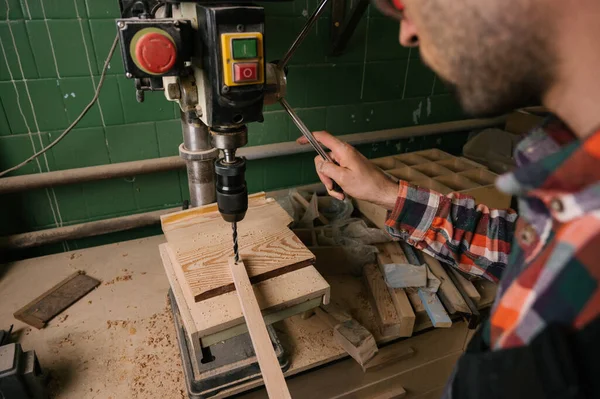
point(448, 293)
point(307, 205)
point(467, 286)
point(263, 348)
point(200, 241)
point(387, 254)
point(386, 315)
point(273, 295)
point(354, 338)
point(436, 312)
point(45, 307)
point(398, 271)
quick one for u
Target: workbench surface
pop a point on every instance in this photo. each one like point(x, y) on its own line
point(119, 340)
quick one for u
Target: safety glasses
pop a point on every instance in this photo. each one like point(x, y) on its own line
point(391, 8)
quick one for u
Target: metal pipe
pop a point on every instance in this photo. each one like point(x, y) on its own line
point(128, 169)
point(302, 35)
point(200, 171)
point(90, 229)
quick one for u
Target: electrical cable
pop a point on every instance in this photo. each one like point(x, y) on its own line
point(76, 121)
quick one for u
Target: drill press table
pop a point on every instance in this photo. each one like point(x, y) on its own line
point(119, 340)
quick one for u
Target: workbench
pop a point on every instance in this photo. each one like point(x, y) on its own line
point(119, 340)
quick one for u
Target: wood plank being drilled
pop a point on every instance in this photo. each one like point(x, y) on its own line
point(276, 297)
point(263, 348)
point(201, 242)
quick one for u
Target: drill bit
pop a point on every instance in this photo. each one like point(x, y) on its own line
point(235, 242)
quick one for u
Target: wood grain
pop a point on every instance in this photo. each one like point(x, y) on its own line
point(201, 242)
point(435, 310)
point(399, 298)
point(381, 300)
point(447, 291)
point(221, 312)
point(263, 348)
point(356, 340)
point(467, 286)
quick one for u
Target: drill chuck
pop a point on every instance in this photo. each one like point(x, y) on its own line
point(232, 192)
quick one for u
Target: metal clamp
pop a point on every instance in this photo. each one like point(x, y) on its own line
point(188, 155)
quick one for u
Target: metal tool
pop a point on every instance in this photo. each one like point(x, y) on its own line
point(281, 66)
point(310, 137)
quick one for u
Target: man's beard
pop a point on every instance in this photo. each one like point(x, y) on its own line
point(496, 63)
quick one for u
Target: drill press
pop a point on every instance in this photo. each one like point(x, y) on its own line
point(209, 58)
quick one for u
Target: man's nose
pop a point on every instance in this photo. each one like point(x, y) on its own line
point(408, 33)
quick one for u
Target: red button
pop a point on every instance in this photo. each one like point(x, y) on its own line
point(245, 72)
point(155, 53)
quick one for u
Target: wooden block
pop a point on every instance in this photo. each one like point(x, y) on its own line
point(487, 290)
point(356, 340)
point(306, 205)
point(399, 298)
point(263, 348)
point(404, 272)
point(52, 302)
point(200, 241)
point(448, 293)
point(413, 297)
point(274, 296)
point(467, 286)
point(388, 354)
point(404, 275)
point(341, 315)
point(436, 312)
point(383, 307)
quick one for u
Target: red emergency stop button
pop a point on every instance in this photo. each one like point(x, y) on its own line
point(155, 52)
point(245, 72)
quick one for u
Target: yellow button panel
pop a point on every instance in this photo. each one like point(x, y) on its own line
point(249, 66)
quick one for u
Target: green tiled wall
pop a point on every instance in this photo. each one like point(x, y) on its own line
point(52, 52)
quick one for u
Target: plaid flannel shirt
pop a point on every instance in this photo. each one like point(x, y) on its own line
point(547, 261)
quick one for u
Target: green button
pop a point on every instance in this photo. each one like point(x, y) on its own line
point(244, 49)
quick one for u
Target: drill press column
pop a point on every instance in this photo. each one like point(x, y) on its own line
point(200, 156)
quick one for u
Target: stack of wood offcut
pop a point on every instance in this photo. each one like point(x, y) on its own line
point(407, 287)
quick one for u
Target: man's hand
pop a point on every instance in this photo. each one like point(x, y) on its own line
point(357, 176)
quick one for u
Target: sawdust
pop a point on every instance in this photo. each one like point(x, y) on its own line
point(128, 359)
point(126, 277)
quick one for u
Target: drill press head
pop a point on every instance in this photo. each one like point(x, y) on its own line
point(232, 192)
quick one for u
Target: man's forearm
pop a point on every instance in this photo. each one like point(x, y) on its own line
point(452, 228)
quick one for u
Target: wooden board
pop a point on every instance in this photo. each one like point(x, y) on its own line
point(201, 242)
point(435, 310)
point(52, 302)
point(263, 348)
point(381, 300)
point(467, 286)
point(206, 318)
point(356, 340)
point(399, 298)
point(447, 291)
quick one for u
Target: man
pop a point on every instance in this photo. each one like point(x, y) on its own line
point(543, 335)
